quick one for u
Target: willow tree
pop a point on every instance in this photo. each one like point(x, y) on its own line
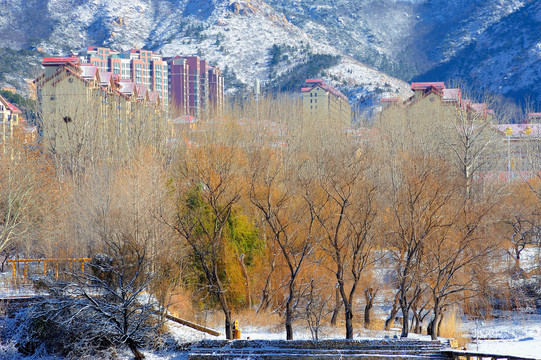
point(341, 192)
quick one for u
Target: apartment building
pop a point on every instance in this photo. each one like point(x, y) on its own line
point(88, 113)
point(323, 100)
point(142, 67)
point(11, 122)
point(216, 89)
point(435, 100)
point(197, 89)
point(189, 84)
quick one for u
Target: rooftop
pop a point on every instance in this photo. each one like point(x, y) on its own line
point(56, 61)
point(440, 85)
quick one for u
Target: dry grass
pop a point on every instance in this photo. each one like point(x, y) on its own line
point(249, 317)
point(181, 306)
point(451, 328)
point(376, 324)
point(246, 318)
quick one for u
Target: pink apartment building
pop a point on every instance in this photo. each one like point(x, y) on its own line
point(189, 84)
point(197, 89)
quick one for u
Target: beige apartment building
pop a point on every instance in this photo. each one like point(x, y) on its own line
point(88, 114)
point(324, 101)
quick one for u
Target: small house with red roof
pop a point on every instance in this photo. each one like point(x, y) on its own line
point(435, 100)
point(533, 117)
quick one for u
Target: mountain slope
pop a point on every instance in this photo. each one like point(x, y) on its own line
point(236, 35)
point(406, 38)
point(505, 59)
point(277, 41)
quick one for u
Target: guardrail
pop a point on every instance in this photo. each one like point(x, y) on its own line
point(55, 261)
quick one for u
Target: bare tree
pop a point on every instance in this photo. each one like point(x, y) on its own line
point(343, 199)
point(290, 222)
point(452, 252)
point(26, 181)
point(316, 309)
point(417, 205)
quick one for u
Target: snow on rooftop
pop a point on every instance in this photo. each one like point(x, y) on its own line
point(451, 94)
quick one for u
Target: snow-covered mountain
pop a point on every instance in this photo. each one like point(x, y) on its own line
point(247, 38)
point(478, 41)
point(492, 44)
point(504, 58)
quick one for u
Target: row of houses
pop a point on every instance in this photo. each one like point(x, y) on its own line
point(516, 146)
point(87, 112)
point(435, 97)
point(188, 85)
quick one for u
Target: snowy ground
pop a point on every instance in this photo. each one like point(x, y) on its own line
point(511, 334)
point(508, 333)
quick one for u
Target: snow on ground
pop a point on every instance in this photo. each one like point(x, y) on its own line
point(512, 333)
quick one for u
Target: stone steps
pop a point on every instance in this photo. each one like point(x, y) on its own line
point(311, 350)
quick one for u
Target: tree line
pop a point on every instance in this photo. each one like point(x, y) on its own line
point(267, 209)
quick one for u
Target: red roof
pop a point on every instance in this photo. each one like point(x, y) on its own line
point(105, 78)
point(425, 85)
point(56, 61)
point(479, 107)
point(324, 86)
point(88, 71)
point(533, 116)
point(153, 96)
point(13, 108)
point(141, 91)
point(127, 87)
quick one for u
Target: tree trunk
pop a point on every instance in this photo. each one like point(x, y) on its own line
point(435, 321)
point(228, 326)
point(349, 320)
point(289, 321)
point(289, 311)
point(225, 306)
point(265, 297)
point(417, 328)
point(240, 259)
point(369, 295)
point(136, 353)
point(405, 321)
point(440, 322)
point(394, 310)
point(338, 304)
